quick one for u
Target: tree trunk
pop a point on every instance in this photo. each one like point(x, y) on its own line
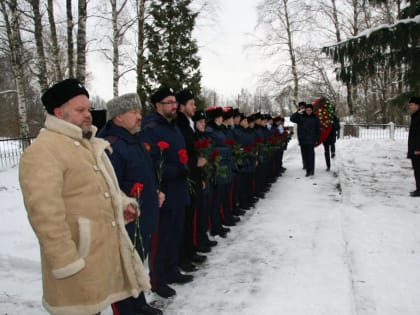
point(291, 51)
point(81, 42)
point(70, 48)
point(58, 75)
point(115, 48)
point(15, 45)
point(39, 42)
point(140, 50)
point(342, 63)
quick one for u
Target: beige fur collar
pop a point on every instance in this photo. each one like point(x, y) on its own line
point(61, 126)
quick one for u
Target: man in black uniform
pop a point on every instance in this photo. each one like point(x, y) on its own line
point(414, 141)
point(309, 131)
point(186, 110)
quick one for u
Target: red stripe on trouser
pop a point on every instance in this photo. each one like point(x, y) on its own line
point(115, 309)
point(232, 188)
point(195, 227)
point(211, 200)
point(222, 212)
point(152, 256)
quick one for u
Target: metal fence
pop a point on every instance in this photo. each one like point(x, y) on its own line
point(374, 131)
point(11, 149)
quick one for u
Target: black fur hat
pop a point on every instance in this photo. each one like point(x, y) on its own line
point(182, 97)
point(61, 92)
point(199, 114)
point(214, 112)
point(161, 93)
point(414, 99)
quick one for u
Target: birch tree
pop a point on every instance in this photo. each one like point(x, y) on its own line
point(119, 28)
point(11, 17)
point(70, 43)
point(58, 75)
point(39, 42)
point(141, 14)
point(81, 41)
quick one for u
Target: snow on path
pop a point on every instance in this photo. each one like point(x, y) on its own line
point(286, 257)
point(343, 242)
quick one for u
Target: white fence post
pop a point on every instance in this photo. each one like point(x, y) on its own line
point(392, 131)
point(341, 132)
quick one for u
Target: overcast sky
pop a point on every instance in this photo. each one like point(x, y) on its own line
point(226, 64)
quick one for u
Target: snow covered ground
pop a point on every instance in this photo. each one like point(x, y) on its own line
point(343, 242)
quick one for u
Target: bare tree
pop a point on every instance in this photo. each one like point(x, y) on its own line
point(81, 41)
point(70, 44)
point(11, 16)
point(282, 21)
point(141, 13)
point(119, 29)
point(58, 75)
point(38, 33)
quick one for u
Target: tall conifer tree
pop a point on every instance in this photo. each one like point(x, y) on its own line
point(171, 58)
point(395, 47)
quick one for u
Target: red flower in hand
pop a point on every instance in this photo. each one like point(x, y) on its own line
point(136, 190)
point(230, 142)
point(162, 145)
point(183, 156)
point(198, 144)
point(214, 155)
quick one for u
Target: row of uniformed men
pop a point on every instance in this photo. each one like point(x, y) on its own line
point(232, 159)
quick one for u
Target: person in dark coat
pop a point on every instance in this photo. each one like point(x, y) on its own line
point(329, 143)
point(414, 141)
point(230, 212)
point(132, 165)
point(168, 152)
point(186, 110)
point(301, 108)
point(206, 174)
point(309, 131)
point(245, 138)
point(221, 186)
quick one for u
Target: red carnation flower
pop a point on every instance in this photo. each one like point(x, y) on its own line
point(230, 142)
point(163, 145)
point(136, 190)
point(214, 155)
point(183, 156)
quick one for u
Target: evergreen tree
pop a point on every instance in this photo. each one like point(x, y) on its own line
point(395, 47)
point(171, 58)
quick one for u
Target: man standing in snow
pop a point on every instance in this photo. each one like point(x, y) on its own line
point(414, 141)
point(168, 152)
point(329, 143)
point(309, 131)
point(77, 210)
point(135, 171)
point(185, 112)
point(301, 109)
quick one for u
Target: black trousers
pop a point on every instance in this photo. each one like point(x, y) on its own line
point(308, 152)
point(328, 150)
point(303, 156)
point(132, 305)
point(415, 161)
